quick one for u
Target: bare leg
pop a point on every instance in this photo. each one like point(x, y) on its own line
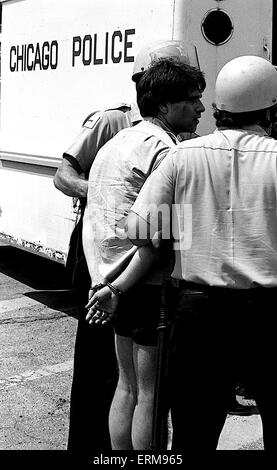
point(125, 397)
point(144, 359)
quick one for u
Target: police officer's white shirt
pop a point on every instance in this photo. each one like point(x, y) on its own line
point(227, 181)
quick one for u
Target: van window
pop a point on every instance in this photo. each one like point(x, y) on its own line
point(217, 27)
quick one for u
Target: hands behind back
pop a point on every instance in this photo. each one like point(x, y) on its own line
point(101, 306)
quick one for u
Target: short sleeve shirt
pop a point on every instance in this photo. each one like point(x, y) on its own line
point(98, 129)
point(119, 171)
point(222, 189)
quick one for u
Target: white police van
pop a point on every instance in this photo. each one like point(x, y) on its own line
point(61, 59)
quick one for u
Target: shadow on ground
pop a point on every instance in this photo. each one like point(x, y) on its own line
point(49, 279)
point(65, 302)
point(34, 270)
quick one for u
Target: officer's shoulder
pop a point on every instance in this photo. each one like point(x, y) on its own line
point(195, 141)
point(106, 113)
point(270, 144)
point(119, 106)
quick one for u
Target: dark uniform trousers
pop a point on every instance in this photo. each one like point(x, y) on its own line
point(94, 382)
point(217, 333)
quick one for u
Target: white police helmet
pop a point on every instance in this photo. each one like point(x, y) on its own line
point(185, 52)
point(247, 83)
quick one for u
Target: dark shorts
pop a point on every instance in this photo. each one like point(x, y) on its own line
point(138, 314)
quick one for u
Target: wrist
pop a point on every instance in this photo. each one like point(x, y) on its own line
point(96, 287)
point(115, 290)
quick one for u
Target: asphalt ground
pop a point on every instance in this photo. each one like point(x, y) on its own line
point(38, 320)
point(37, 334)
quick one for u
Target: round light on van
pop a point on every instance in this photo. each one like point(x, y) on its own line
point(217, 27)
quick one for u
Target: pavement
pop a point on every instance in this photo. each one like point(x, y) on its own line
point(37, 334)
point(241, 433)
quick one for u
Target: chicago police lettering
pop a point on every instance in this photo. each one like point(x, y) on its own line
point(113, 47)
point(34, 56)
point(95, 49)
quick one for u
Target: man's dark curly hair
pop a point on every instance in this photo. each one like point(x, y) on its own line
point(167, 81)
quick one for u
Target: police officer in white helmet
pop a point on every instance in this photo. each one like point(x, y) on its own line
point(88, 427)
point(225, 187)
